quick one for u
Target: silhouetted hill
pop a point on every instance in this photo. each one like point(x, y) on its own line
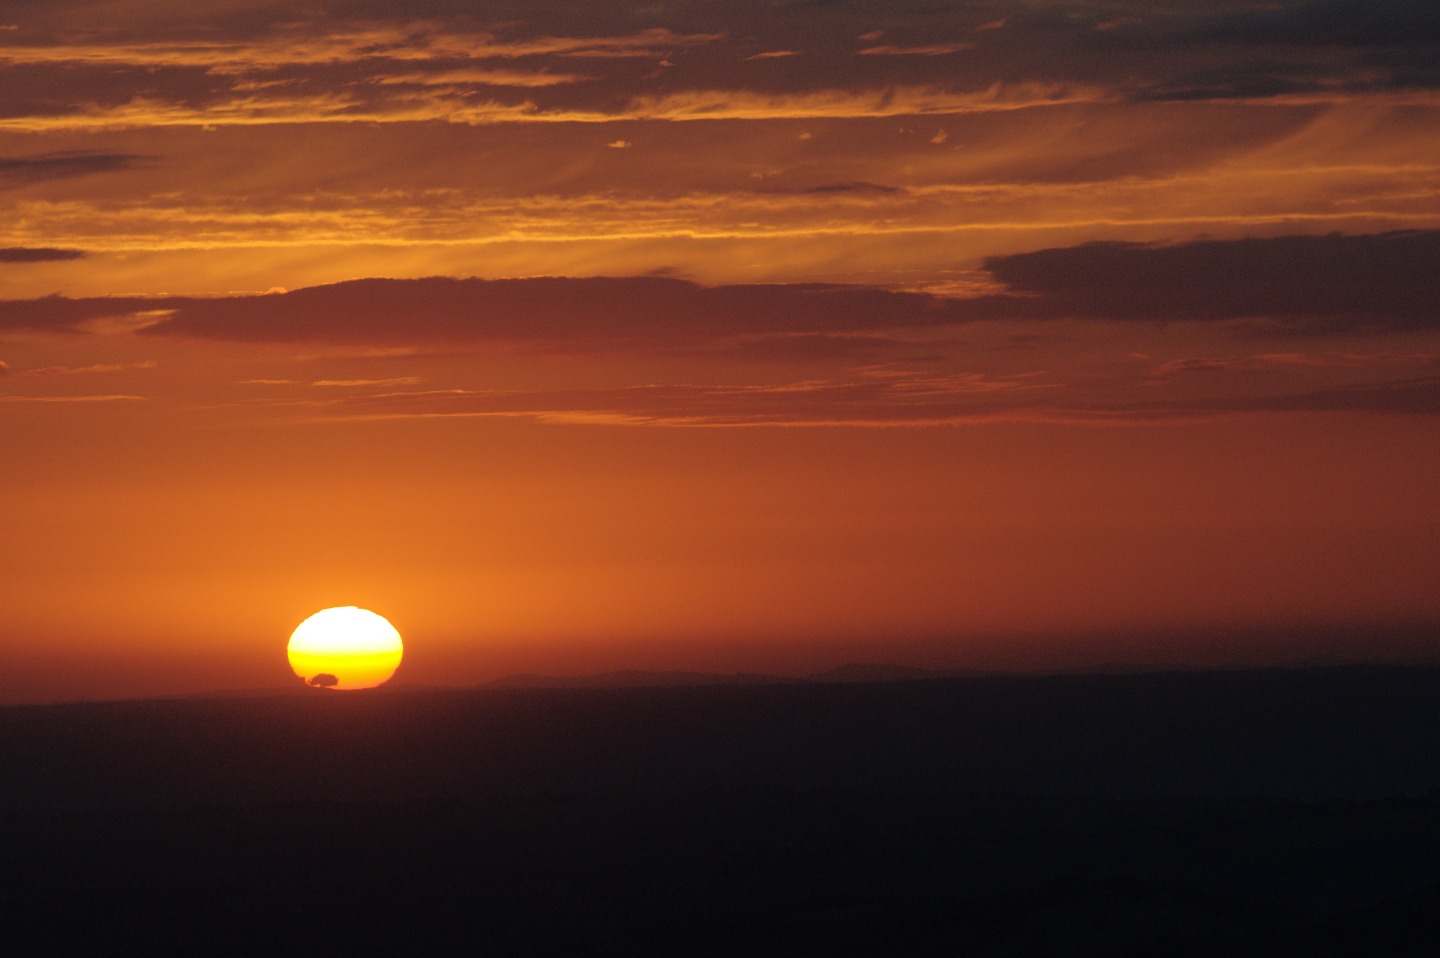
point(1322, 734)
point(1275, 813)
point(260, 693)
point(632, 679)
point(864, 672)
point(635, 679)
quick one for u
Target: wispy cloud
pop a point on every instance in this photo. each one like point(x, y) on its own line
point(482, 76)
point(88, 370)
point(922, 50)
point(366, 383)
point(441, 103)
point(912, 399)
point(62, 400)
point(907, 400)
point(305, 45)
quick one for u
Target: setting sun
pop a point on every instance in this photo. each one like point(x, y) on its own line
point(345, 648)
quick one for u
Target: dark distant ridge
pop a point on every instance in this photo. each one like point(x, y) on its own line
point(257, 693)
point(641, 679)
point(633, 679)
point(868, 672)
point(298, 688)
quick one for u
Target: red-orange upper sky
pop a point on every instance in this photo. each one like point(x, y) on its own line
point(715, 335)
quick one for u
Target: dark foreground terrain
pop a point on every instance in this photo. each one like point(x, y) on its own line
point(1247, 813)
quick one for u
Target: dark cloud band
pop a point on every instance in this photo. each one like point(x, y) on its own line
point(60, 165)
point(40, 254)
point(1378, 281)
point(1382, 279)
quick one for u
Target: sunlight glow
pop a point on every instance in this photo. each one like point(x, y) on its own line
point(345, 648)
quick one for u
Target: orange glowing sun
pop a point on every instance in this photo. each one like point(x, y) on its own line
point(345, 648)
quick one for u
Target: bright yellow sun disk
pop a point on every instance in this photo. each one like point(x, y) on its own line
point(355, 647)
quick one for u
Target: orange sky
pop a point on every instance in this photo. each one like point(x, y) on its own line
point(715, 336)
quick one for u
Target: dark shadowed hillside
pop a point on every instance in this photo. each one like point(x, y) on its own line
point(1260, 813)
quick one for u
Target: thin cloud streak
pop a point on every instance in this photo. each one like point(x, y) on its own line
point(919, 401)
point(63, 400)
point(400, 42)
point(263, 108)
point(924, 50)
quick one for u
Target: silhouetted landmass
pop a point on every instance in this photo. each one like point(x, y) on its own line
point(633, 679)
point(864, 672)
point(1269, 813)
point(636, 679)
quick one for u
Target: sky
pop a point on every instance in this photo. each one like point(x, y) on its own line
point(754, 335)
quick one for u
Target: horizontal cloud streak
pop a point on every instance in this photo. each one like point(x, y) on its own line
point(59, 165)
point(1384, 280)
point(63, 400)
point(443, 104)
point(1376, 279)
point(559, 313)
point(300, 46)
point(909, 400)
point(38, 254)
point(918, 399)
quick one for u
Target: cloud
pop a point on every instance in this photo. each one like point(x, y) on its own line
point(397, 103)
point(88, 370)
point(62, 314)
point(739, 104)
point(70, 399)
point(924, 50)
point(1374, 281)
point(874, 397)
point(38, 254)
point(362, 383)
point(362, 64)
point(1406, 397)
point(336, 106)
point(312, 44)
point(1177, 367)
point(1327, 23)
point(318, 71)
point(1268, 362)
point(553, 313)
point(1380, 279)
point(1292, 84)
point(480, 76)
point(1327, 50)
point(904, 399)
point(548, 314)
point(59, 165)
point(857, 186)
